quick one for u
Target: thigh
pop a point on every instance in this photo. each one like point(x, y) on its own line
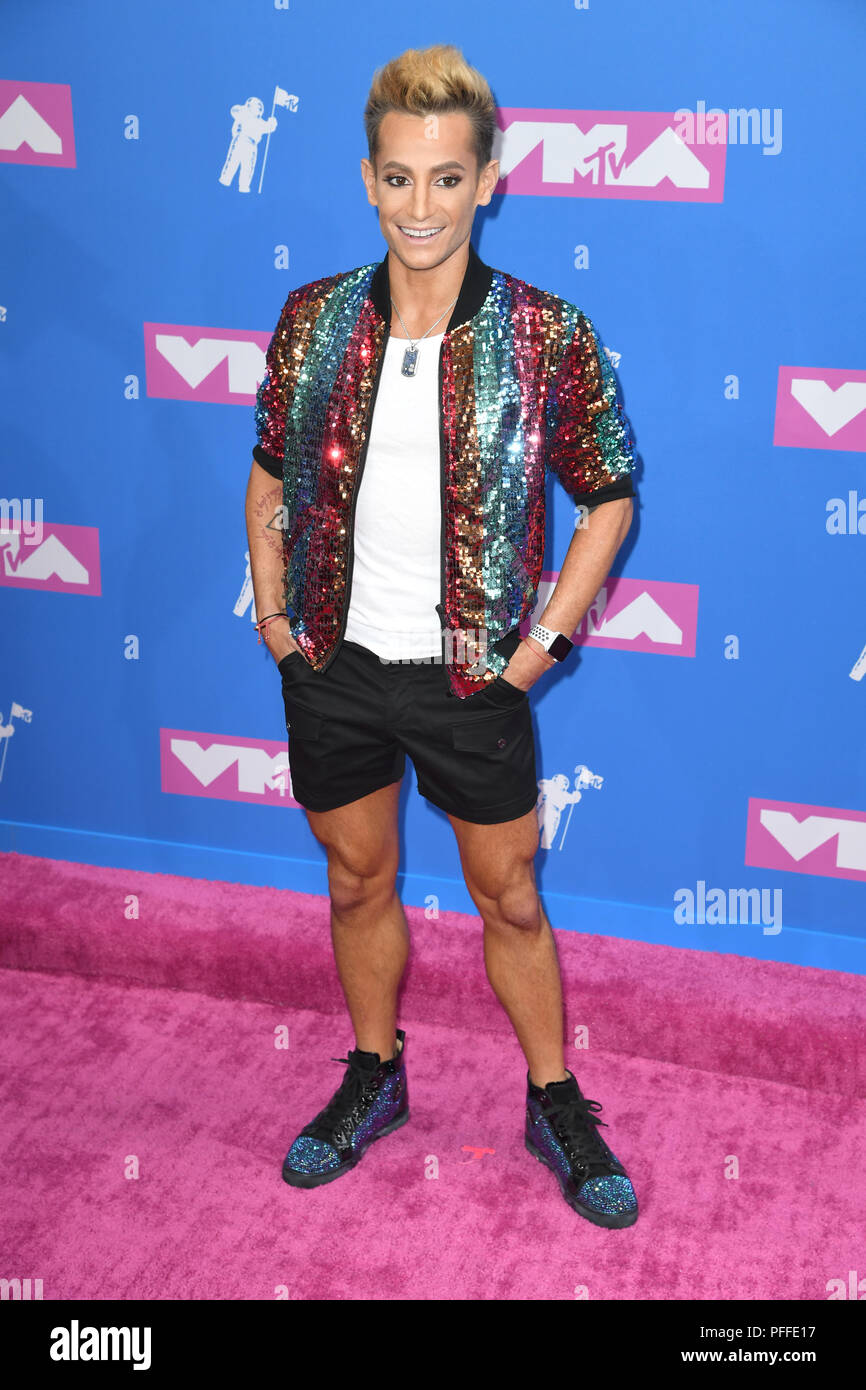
point(362, 838)
point(475, 758)
point(340, 747)
point(498, 861)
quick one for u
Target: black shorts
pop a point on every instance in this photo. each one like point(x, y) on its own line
point(351, 726)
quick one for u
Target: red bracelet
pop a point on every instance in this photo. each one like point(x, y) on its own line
point(266, 623)
point(548, 660)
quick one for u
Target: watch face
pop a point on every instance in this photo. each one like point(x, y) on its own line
point(560, 647)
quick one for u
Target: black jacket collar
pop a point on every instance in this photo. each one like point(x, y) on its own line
point(473, 291)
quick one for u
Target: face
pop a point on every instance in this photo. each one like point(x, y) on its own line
point(426, 179)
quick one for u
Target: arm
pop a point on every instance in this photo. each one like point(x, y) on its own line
point(264, 497)
point(586, 566)
point(591, 451)
point(267, 566)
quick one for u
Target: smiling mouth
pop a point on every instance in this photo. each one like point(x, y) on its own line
point(420, 233)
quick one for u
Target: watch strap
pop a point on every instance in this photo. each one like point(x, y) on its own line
point(556, 644)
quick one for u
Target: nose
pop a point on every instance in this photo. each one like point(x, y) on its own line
point(420, 203)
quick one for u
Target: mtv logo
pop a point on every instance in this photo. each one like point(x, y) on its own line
point(821, 408)
point(65, 561)
point(226, 768)
point(606, 154)
point(36, 124)
point(824, 840)
point(222, 366)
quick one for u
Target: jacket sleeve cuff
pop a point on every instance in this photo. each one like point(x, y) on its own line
point(621, 488)
point(271, 465)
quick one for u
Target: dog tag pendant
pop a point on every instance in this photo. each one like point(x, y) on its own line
point(410, 358)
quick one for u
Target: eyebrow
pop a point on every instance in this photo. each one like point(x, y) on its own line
point(434, 169)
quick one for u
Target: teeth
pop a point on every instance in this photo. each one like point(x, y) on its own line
point(431, 231)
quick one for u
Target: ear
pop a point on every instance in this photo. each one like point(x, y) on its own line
point(369, 176)
point(488, 181)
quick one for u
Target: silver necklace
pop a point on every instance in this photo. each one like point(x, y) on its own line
point(410, 356)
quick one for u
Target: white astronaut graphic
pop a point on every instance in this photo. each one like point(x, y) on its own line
point(246, 598)
point(554, 795)
point(249, 124)
point(247, 130)
point(7, 730)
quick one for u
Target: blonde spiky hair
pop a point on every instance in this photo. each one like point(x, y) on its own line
point(428, 81)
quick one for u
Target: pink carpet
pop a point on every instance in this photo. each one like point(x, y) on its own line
point(148, 1045)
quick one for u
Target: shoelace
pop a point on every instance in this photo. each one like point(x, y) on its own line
point(571, 1120)
point(351, 1092)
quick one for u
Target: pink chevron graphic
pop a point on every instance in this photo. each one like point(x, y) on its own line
point(643, 155)
point(225, 767)
point(821, 408)
point(222, 366)
point(36, 125)
point(64, 561)
point(829, 841)
point(635, 615)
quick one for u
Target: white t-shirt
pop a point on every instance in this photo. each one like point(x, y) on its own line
point(396, 574)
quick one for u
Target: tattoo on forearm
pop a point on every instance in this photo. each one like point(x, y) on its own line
point(271, 514)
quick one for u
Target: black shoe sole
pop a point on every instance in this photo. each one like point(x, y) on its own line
point(296, 1179)
point(614, 1222)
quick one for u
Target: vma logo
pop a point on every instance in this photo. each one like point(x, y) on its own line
point(820, 840)
point(65, 559)
point(36, 124)
point(821, 408)
point(230, 769)
point(219, 365)
point(637, 615)
point(607, 154)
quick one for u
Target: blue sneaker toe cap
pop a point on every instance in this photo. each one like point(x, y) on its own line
point(613, 1195)
point(309, 1155)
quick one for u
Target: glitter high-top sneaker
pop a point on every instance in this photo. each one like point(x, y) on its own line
point(371, 1101)
point(561, 1131)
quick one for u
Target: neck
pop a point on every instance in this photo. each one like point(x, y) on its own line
point(422, 295)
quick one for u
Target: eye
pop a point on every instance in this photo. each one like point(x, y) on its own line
point(389, 179)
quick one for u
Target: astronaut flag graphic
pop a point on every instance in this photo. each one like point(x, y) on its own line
point(248, 127)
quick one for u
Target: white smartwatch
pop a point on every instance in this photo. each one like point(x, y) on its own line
point(556, 644)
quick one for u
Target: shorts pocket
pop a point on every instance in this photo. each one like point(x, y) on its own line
point(302, 723)
point(493, 732)
point(513, 692)
point(294, 655)
point(498, 692)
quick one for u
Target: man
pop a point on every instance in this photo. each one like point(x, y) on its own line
point(406, 420)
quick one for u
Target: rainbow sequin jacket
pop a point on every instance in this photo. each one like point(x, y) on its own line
point(524, 386)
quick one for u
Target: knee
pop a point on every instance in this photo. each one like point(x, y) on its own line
point(356, 883)
point(515, 908)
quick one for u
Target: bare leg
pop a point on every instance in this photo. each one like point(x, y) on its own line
point(519, 949)
point(369, 930)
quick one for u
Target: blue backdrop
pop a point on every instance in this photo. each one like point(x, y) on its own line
point(138, 292)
